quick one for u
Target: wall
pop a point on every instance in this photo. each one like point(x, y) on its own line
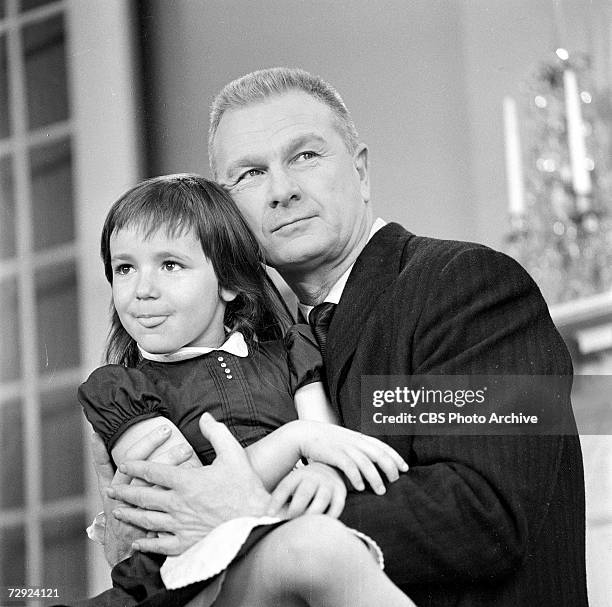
point(503, 41)
point(398, 65)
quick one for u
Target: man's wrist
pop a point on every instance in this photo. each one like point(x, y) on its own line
point(258, 502)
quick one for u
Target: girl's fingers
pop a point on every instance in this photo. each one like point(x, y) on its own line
point(320, 503)
point(338, 498)
point(301, 498)
point(382, 455)
point(386, 464)
point(400, 462)
point(281, 494)
point(368, 470)
point(348, 466)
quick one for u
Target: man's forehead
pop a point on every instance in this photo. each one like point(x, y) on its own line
point(275, 120)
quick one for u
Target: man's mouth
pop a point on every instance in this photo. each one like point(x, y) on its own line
point(290, 223)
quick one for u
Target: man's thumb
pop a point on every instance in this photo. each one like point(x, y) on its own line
point(224, 444)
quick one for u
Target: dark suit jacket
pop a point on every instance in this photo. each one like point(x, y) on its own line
point(487, 520)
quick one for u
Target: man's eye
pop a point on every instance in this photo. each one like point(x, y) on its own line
point(123, 269)
point(250, 173)
point(306, 155)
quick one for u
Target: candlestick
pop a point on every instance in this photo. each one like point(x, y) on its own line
point(581, 180)
point(514, 165)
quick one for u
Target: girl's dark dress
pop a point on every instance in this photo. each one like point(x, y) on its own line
point(252, 395)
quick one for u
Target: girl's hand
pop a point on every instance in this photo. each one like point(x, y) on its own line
point(313, 489)
point(355, 454)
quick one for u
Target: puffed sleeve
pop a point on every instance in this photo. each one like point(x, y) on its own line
point(115, 397)
point(303, 357)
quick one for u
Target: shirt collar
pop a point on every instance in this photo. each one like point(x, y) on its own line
point(234, 344)
point(335, 293)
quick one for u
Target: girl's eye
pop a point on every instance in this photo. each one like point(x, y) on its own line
point(123, 269)
point(171, 266)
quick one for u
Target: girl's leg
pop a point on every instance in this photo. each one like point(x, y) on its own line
point(312, 561)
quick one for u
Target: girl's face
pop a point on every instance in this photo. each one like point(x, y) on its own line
point(165, 290)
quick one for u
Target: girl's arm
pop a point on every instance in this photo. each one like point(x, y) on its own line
point(314, 437)
point(311, 403)
point(275, 455)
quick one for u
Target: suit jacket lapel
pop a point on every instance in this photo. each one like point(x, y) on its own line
point(375, 269)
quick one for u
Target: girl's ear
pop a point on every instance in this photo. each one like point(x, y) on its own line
point(226, 295)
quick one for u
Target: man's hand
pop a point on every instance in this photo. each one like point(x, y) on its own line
point(119, 536)
point(186, 504)
point(313, 489)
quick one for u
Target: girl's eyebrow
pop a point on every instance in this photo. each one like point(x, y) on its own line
point(120, 257)
point(165, 254)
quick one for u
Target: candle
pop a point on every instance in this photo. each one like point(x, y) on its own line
point(514, 166)
point(581, 180)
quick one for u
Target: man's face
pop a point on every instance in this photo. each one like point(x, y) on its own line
point(301, 191)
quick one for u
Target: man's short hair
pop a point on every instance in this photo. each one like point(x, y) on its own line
point(258, 86)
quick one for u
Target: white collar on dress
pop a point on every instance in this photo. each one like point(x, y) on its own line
point(234, 344)
point(335, 293)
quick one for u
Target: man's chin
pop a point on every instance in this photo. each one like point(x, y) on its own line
point(297, 260)
point(301, 253)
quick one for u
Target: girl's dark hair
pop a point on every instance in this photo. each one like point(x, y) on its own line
point(183, 203)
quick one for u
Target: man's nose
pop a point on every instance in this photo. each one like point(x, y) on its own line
point(146, 287)
point(284, 189)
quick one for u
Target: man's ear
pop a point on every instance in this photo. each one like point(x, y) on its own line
point(360, 160)
point(226, 295)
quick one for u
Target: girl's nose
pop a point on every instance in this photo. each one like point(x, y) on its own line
point(146, 287)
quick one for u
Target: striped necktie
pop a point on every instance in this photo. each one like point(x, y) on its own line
point(320, 318)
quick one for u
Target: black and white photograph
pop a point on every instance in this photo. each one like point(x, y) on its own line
point(305, 303)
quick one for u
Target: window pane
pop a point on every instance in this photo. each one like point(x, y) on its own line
point(10, 350)
point(65, 560)
point(11, 456)
point(62, 445)
point(12, 558)
point(4, 114)
point(57, 318)
point(26, 5)
point(45, 62)
point(7, 209)
point(52, 195)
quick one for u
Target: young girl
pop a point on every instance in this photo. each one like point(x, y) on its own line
point(197, 327)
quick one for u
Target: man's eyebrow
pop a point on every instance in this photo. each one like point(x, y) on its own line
point(253, 160)
point(303, 140)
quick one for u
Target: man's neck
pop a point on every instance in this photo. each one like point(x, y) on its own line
point(312, 286)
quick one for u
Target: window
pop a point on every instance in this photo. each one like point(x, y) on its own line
point(52, 315)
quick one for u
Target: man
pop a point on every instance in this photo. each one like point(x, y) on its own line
point(488, 520)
